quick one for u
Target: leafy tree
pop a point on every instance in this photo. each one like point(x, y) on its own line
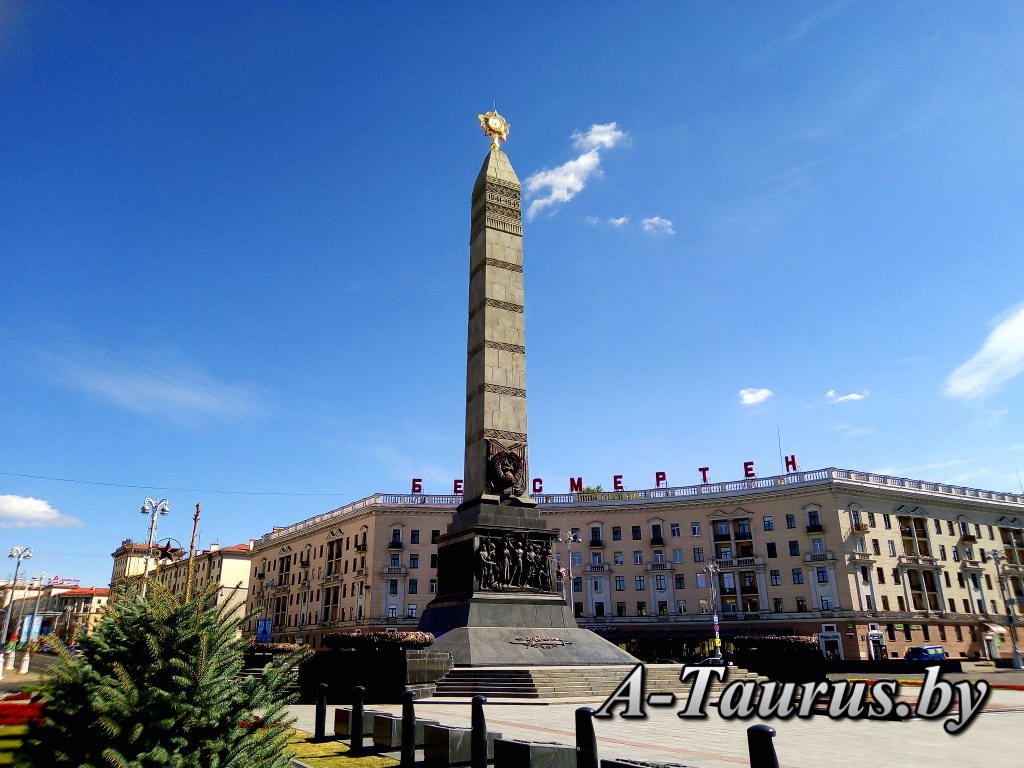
point(157, 685)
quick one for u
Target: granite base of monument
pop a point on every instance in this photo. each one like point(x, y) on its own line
point(529, 647)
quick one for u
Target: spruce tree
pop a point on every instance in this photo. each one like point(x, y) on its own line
point(157, 685)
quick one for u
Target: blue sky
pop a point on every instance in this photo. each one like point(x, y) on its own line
point(234, 251)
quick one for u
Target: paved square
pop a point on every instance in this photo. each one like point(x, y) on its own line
point(993, 739)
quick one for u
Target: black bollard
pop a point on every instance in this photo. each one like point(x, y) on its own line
point(586, 739)
point(478, 737)
point(355, 724)
point(762, 750)
point(320, 730)
point(408, 730)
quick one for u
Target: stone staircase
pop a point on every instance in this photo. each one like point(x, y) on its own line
point(571, 682)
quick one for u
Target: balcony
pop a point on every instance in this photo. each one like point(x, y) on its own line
point(394, 544)
point(818, 557)
point(815, 528)
point(740, 562)
point(860, 527)
point(722, 536)
point(396, 570)
point(659, 567)
point(918, 560)
point(969, 538)
point(598, 568)
point(860, 557)
point(657, 541)
point(743, 534)
point(360, 546)
point(597, 542)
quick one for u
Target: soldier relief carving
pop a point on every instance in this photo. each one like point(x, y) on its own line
point(513, 561)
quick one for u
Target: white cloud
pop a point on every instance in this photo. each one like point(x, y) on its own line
point(592, 220)
point(922, 467)
point(27, 512)
point(858, 431)
point(832, 397)
point(155, 384)
point(599, 136)
point(621, 221)
point(753, 395)
point(1000, 359)
point(567, 180)
point(658, 224)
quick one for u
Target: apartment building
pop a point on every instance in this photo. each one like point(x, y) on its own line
point(227, 567)
point(78, 611)
point(869, 564)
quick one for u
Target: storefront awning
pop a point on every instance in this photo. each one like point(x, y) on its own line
point(995, 629)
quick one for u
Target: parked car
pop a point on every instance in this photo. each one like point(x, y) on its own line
point(926, 653)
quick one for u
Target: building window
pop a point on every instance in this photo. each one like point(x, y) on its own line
point(674, 530)
point(875, 548)
point(887, 521)
point(641, 608)
point(616, 533)
point(577, 609)
point(663, 608)
point(392, 611)
point(620, 609)
point(597, 558)
point(414, 537)
point(955, 551)
point(617, 558)
point(660, 583)
point(871, 519)
point(942, 551)
point(638, 558)
point(395, 561)
point(620, 583)
point(880, 573)
point(798, 575)
point(900, 604)
point(638, 582)
point(677, 555)
point(698, 554)
point(794, 548)
point(396, 534)
point(434, 536)
point(680, 581)
point(791, 521)
point(776, 577)
point(659, 556)
point(414, 561)
point(695, 529)
point(769, 523)
point(392, 586)
point(414, 586)
point(595, 533)
point(636, 533)
point(892, 548)
point(681, 606)
point(826, 604)
point(885, 603)
point(577, 584)
point(577, 558)
point(410, 611)
point(433, 586)
point(777, 604)
point(822, 572)
point(598, 586)
point(801, 604)
point(770, 547)
point(702, 581)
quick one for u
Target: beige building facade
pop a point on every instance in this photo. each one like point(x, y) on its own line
point(867, 563)
point(226, 567)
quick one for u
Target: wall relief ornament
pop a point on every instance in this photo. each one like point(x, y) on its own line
point(506, 468)
point(513, 562)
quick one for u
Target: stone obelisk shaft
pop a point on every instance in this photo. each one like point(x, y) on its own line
point(496, 366)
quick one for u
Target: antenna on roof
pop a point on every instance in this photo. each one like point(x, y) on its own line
point(1018, 480)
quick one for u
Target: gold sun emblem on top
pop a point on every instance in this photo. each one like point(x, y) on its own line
point(495, 126)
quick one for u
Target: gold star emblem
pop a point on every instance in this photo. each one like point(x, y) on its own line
point(495, 126)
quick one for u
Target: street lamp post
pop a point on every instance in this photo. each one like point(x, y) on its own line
point(18, 554)
point(571, 537)
point(1000, 560)
point(154, 509)
point(712, 571)
point(26, 657)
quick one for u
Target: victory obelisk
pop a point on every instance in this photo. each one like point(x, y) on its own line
point(496, 600)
